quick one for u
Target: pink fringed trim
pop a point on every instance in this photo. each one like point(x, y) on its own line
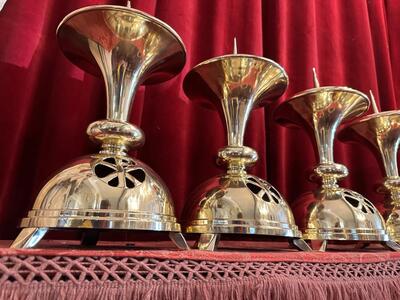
point(373, 255)
point(277, 288)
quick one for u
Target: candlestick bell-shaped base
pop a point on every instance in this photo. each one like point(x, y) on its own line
point(236, 202)
point(331, 212)
point(381, 132)
point(111, 190)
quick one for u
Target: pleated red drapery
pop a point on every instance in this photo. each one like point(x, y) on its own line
point(46, 102)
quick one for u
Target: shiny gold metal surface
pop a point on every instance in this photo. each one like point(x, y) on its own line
point(331, 212)
point(237, 202)
point(111, 190)
point(381, 131)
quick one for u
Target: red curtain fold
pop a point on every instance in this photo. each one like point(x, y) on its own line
point(46, 102)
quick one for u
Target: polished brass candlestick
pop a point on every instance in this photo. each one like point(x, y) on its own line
point(381, 130)
point(111, 190)
point(237, 202)
point(331, 212)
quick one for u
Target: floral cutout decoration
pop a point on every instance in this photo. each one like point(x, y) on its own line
point(264, 190)
point(119, 172)
point(359, 202)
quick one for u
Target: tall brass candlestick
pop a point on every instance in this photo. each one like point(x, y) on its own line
point(381, 130)
point(237, 202)
point(331, 212)
point(111, 190)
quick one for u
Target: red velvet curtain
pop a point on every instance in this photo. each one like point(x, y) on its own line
point(46, 102)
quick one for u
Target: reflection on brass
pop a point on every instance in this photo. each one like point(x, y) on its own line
point(381, 130)
point(111, 190)
point(237, 202)
point(331, 212)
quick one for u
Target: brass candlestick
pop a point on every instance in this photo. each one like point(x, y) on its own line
point(111, 190)
point(237, 202)
point(381, 130)
point(332, 212)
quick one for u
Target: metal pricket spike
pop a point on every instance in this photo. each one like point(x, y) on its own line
point(315, 77)
point(373, 102)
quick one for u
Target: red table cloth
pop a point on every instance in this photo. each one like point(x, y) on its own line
point(138, 273)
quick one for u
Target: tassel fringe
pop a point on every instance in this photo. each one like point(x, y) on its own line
point(276, 288)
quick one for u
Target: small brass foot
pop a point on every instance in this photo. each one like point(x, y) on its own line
point(29, 237)
point(319, 245)
point(300, 244)
point(208, 241)
point(392, 245)
point(323, 246)
point(179, 240)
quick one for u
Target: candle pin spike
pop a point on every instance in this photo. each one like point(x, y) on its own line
point(315, 77)
point(128, 4)
point(234, 46)
point(373, 102)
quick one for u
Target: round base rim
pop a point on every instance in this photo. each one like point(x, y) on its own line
point(346, 234)
point(100, 219)
point(285, 230)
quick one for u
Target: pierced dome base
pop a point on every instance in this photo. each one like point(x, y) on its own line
point(341, 214)
point(102, 192)
point(241, 204)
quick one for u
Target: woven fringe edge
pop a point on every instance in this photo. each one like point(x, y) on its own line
point(266, 288)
